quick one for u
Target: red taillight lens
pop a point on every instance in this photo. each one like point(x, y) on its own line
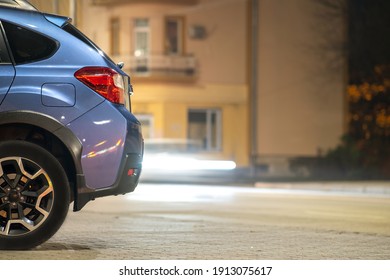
point(105, 81)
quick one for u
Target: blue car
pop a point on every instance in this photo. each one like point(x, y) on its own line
point(67, 133)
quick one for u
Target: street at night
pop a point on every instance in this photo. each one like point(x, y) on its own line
point(190, 139)
point(172, 221)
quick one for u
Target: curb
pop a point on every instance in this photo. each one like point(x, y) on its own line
point(379, 187)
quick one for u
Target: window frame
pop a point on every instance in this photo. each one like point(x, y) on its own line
point(141, 60)
point(209, 147)
point(115, 38)
point(180, 20)
point(142, 29)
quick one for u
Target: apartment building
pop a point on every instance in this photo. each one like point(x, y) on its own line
point(240, 80)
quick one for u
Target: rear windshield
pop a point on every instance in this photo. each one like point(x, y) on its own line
point(79, 35)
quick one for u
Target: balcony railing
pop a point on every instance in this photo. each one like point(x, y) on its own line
point(160, 65)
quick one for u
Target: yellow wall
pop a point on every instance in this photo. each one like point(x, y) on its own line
point(300, 101)
point(170, 113)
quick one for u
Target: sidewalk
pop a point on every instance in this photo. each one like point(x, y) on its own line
point(362, 187)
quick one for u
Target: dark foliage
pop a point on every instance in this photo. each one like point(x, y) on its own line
point(364, 152)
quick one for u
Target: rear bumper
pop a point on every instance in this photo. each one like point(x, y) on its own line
point(129, 168)
point(127, 182)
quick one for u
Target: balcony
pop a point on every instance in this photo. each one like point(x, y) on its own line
point(175, 68)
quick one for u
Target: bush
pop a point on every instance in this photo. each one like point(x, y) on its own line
point(354, 159)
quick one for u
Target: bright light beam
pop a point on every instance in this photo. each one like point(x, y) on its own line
point(166, 162)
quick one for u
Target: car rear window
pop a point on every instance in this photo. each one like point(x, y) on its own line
point(28, 46)
point(79, 35)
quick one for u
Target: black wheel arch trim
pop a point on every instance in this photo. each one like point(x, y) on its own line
point(65, 135)
point(30, 117)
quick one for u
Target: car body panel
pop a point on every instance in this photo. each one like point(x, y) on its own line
point(58, 95)
point(29, 86)
point(102, 132)
point(7, 73)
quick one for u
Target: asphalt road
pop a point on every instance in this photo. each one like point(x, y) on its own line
point(213, 222)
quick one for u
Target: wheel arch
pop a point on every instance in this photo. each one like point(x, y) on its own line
point(50, 134)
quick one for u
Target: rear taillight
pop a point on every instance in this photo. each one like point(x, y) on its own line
point(105, 81)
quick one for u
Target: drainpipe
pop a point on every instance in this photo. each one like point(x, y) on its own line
point(73, 10)
point(55, 7)
point(254, 31)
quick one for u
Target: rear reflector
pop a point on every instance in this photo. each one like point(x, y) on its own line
point(131, 172)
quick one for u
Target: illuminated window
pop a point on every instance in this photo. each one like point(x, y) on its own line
point(141, 44)
point(204, 127)
point(141, 37)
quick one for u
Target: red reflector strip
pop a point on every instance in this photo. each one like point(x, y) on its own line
point(131, 172)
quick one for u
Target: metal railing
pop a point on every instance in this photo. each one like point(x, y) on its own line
point(161, 65)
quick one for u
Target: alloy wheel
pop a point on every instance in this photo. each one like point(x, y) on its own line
point(26, 196)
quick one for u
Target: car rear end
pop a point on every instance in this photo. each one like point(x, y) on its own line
point(112, 158)
point(86, 93)
point(67, 131)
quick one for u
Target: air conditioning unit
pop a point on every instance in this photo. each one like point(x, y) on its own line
point(197, 32)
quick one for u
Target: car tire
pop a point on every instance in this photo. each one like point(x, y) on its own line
point(34, 195)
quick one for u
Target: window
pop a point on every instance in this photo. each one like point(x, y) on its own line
point(28, 46)
point(204, 127)
point(141, 37)
point(147, 123)
point(71, 29)
point(115, 35)
point(174, 35)
point(141, 44)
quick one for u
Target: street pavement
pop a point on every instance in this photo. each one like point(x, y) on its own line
point(361, 187)
point(265, 221)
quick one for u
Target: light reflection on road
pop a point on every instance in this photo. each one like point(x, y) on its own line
point(207, 193)
point(184, 193)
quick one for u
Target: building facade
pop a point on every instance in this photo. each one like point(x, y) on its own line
point(240, 80)
point(69, 8)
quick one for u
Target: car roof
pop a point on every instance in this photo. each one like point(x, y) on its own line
point(19, 4)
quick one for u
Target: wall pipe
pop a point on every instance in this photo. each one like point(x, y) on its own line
point(254, 36)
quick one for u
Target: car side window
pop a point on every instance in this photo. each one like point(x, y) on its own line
point(28, 46)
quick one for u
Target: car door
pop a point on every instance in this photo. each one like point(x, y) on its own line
point(7, 70)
